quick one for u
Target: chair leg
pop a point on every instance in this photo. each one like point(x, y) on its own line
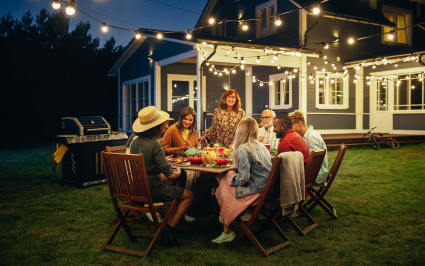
point(297, 228)
point(253, 239)
point(326, 206)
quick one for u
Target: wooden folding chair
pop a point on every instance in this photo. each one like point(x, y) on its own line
point(260, 208)
point(317, 195)
point(116, 149)
point(128, 182)
point(311, 170)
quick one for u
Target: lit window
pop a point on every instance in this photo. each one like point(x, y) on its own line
point(409, 92)
point(400, 33)
point(135, 97)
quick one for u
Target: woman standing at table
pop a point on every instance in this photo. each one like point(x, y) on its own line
point(236, 192)
point(182, 135)
point(225, 120)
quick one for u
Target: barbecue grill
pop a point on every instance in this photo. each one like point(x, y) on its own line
point(85, 138)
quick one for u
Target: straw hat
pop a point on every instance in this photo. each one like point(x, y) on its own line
point(149, 117)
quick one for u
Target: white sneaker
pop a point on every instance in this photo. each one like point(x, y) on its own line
point(224, 238)
point(149, 216)
point(189, 219)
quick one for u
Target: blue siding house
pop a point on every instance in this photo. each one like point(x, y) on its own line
point(306, 63)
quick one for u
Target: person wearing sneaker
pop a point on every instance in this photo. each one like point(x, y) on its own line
point(150, 125)
point(237, 191)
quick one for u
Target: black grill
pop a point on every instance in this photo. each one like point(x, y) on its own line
point(85, 138)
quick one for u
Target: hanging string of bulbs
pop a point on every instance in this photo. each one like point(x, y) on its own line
point(314, 9)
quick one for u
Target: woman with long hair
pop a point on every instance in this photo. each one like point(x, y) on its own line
point(182, 135)
point(225, 120)
point(236, 191)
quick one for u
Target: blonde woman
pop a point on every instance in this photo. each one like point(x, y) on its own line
point(236, 191)
point(313, 139)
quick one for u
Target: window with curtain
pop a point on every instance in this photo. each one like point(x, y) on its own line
point(265, 13)
point(400, 33)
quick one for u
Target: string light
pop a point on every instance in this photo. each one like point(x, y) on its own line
point(277, 21)
point(159, 36)
point(56, 5)
point(390, 36)
point(245, 26)
point(188, 35)
point(211, 21)
point(138, 35)
point(70, 8)
point(351, 41)
point(104, 28)
point(326, 46)
point(316, 10)
point(258, 60)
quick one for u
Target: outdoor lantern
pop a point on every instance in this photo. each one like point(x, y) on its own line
point(70, 8)
point(56, 4)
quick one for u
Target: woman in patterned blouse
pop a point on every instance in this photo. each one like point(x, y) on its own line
point(225, 120)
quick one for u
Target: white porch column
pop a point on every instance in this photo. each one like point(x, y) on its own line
point(248, 91)
point(157, 74)
point(359, 89)
point(303, 87)
point(199, 96)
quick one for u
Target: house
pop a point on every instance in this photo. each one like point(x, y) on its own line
point(349, 65)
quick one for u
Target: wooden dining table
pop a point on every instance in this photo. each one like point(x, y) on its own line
point(203, 168)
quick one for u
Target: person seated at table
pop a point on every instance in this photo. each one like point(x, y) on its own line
point(313, 139)
point(225, 120)
point(289, 139)
point(182, 135)
point(236, 191)
point(151, 124)
point(266, 134)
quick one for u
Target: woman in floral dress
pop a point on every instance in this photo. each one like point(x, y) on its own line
point(226, 118)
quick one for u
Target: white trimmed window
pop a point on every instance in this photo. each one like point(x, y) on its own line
point(409, 92)
point(280, 91)
point(136, 95)
point(400, 34)
point(265, 13)
point(331, 91)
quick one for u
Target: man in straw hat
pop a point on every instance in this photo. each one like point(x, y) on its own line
point(150, 125)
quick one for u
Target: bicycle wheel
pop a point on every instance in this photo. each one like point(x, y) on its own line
point(375, 145)
point(392, 143)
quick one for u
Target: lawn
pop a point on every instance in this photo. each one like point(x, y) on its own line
point(379, 196)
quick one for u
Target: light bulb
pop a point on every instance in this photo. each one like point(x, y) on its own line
point(70, 10)
point(56, 5)
point(188, 35)
point(351, 41)
point(233, 71)
point(316, 10)
point(104, 28)
point(138, 35)
point(277, 21)
point(211, 21)
point(326, 46)
point(159, 36)
point(245, 26)
point(258, 60)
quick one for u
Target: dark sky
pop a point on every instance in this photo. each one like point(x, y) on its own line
point(124, 13)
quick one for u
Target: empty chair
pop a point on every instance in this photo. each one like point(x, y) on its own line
point(318, 191)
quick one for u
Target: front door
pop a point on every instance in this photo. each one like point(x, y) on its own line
point(381, 109)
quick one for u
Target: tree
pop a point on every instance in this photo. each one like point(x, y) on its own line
point(48, 71)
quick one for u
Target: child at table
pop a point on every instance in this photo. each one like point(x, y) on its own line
point(236, 191)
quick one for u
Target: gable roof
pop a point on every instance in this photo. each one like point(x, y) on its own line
point(353, 10)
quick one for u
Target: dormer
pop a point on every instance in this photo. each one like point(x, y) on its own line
point(265, 14)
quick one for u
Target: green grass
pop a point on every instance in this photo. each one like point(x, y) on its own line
point(379, 196)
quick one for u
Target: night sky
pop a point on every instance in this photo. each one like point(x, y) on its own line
point(124, 13)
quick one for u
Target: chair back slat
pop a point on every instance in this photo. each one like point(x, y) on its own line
point(268, 189)
point(126, 176)
point(116, 149)
point(313, 167)
point(337, 163)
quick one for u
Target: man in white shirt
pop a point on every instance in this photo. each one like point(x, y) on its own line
point(266, 134)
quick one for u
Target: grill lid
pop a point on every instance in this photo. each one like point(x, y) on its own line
point(87, 125)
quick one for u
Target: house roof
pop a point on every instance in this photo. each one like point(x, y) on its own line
point(128, 51)
point(400, 53)
point(352, 10)
point(209, 7)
